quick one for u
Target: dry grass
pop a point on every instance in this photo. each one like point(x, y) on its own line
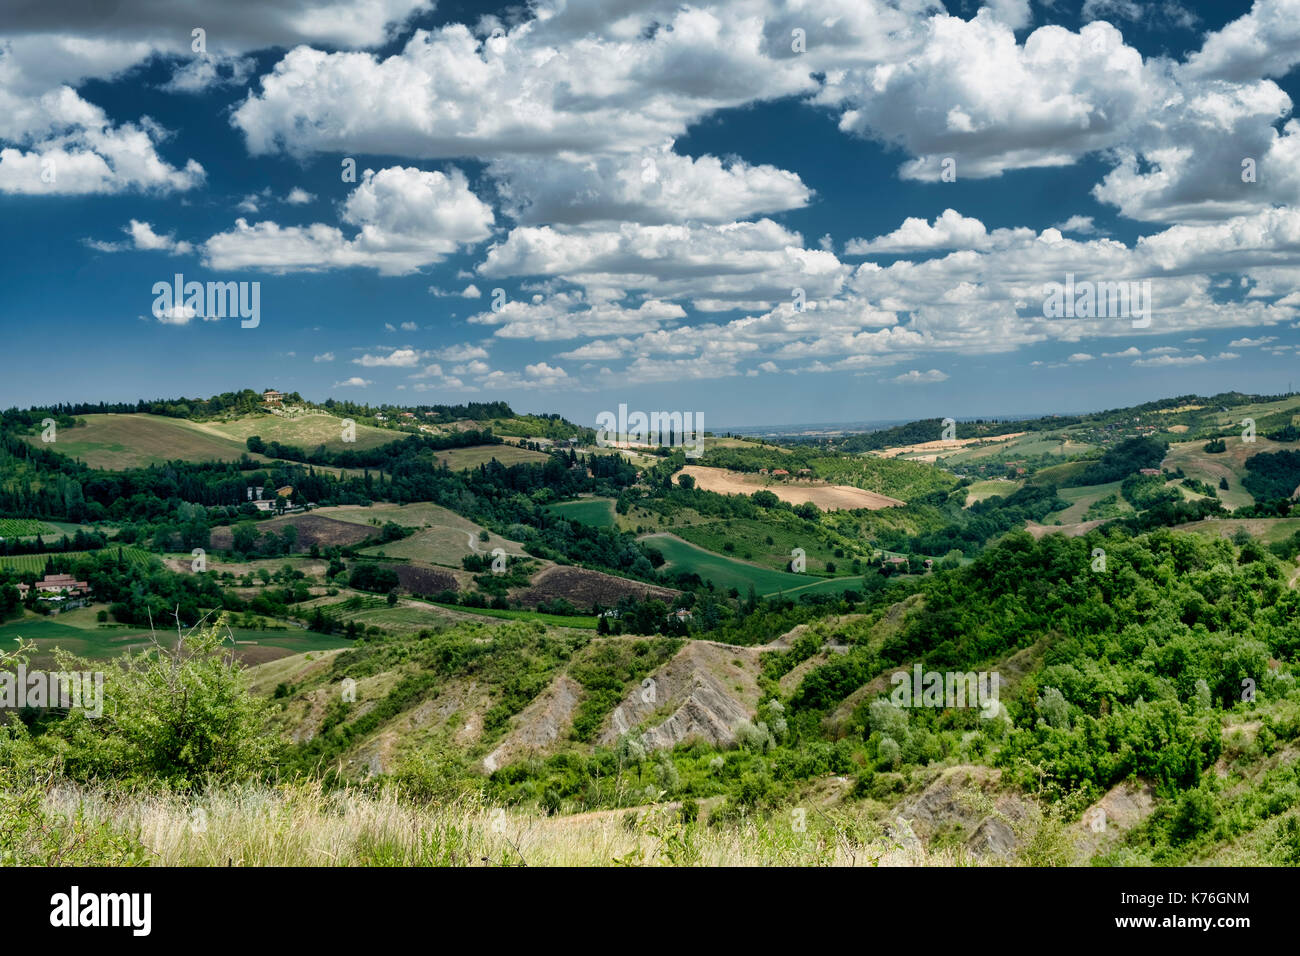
point(795, 491)
point(307, 826)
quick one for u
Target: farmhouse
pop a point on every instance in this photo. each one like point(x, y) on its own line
point(272, 397)
point(1150, 471)
point(780, 473)
point(64, 585)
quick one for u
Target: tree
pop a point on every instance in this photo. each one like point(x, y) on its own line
point(687, 482)
point(243, 538)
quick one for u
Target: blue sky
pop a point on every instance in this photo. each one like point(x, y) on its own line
point(648, 183)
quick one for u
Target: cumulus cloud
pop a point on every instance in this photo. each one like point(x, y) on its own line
point(405, 219)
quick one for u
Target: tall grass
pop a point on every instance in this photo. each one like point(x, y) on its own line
point(307, 825)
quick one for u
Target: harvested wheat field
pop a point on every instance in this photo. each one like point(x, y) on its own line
point(825, 496)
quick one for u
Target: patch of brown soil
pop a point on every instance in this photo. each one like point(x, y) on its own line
point(312, 529)
point(586, 589)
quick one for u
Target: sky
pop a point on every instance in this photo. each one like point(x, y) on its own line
point(766, 213)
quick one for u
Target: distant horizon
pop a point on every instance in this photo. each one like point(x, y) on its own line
point(891, 218)
point(761, 428)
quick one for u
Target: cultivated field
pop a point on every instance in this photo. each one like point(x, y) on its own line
point(597, 512)
point(585, 589)
point(459, 459)
point(1196, 462)
point(768, 543)
point(796, 492)
point(24, 528)
point(442, 545)
point(994, 487)
point(35, 563)
point(1267, 530)
point(312, 528)
point(729, 573)
point(78, 633)
point(930, 450)
point(116, 442)
point(304, 431)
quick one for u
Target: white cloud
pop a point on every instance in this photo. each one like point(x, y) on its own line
point(144, 239)
point(398, 358)
point(323, 357)
point(354, 382)
point(915, 377)
point(405, 219)
point(951, 230)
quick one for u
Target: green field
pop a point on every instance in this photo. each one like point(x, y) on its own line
point(1267, 530)
point(1196, 462)
point(442, 546)
point(597, 512)
point(748, 540)
point(116, 442)
point(555, 620)
point(458, 459)
point(25, 528)
point(78, 633)
point(1081, 499)
point(992, 488)
point(305, 431)
point(728, 573)
point(36, 562)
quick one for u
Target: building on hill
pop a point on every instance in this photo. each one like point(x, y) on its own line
point(57, 587)
point(272, 397)
point(1150, 471)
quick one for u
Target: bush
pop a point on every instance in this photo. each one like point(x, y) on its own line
point(178, 714)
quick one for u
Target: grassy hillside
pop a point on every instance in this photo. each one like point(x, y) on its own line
point(305, 431)
point(116, 442)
